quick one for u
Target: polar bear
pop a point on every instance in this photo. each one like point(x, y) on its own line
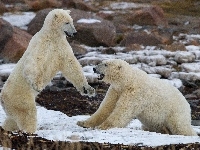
point(133, 94)
point(47, 53)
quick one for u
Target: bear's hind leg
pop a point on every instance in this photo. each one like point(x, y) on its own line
point(10, 125)
point(181, 126)
point(183, 129)
point(27, 120)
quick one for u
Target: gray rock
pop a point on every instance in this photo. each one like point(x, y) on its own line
point(190, 67)
point(184, 57)
point(164, 71)
point(155, 60)
point(90, 61)
point(185, 76)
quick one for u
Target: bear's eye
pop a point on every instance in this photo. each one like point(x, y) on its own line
point(67, 22)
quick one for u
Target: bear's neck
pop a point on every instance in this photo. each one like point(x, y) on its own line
point(53, 33)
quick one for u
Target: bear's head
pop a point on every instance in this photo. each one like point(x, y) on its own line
point(111, 71)
point(59, 20)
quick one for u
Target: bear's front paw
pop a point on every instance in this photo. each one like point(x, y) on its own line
point(88, 90)
point(84, 124)
point(105, 126)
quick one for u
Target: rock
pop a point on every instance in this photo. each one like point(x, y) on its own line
point(131, 60)
point(141, 38)
point(38, 4)
point(197, 93)
point(78, 4)
point(78, 49)
point(190, 67)
point(12, 1)
point(90, 75)
point(184, 57)
point(152, 36)
point(2, 8)
point(89, 61)
point(154, 60)
point(174, 47)
point(161, 70)
point(93, 31)
point(164, 35)
point(6, 33)
point(109, 51)
point(15, 46)
point(37, 22)
point(133, 47)
point(108, 15)
point(153, 15)
point(189, 77)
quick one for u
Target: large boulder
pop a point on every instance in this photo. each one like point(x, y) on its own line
point(153, 15)
point(37, 22)
point(78, 4)
point(148, 36)
point(184, 57)
point(16, 45)
point(141, 38)
point(38, 4)
point(12, 1)
point(93, 30)
point(6, 31)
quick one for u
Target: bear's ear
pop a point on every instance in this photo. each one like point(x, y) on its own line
point(68, 11)
point(55, 16)
point(119, 67)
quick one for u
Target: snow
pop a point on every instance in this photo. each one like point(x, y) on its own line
point(126, 5)
point(55, 125)
point(6, 69)
point(89, 21)
point(20, 20)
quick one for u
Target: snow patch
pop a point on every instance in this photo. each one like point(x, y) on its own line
point(126, 5)
point(20, 20)
point(89, 21)
point(55, 125)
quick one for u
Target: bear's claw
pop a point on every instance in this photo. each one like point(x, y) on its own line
point(88, 90)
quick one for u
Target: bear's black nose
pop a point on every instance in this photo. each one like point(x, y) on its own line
point(94, 70)
point(74, 33)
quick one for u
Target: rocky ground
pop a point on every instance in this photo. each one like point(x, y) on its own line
point(164, 25)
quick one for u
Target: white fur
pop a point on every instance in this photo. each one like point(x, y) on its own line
point(48, 52)
point(133, 94)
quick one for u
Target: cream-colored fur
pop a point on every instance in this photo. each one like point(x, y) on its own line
point(133, 94)
point(48, 52)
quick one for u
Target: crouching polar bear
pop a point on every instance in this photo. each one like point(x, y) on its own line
point(48, 52)
point(133, 94)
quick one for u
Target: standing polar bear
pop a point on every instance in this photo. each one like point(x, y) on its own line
point(48, 52)
point(133, 94)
